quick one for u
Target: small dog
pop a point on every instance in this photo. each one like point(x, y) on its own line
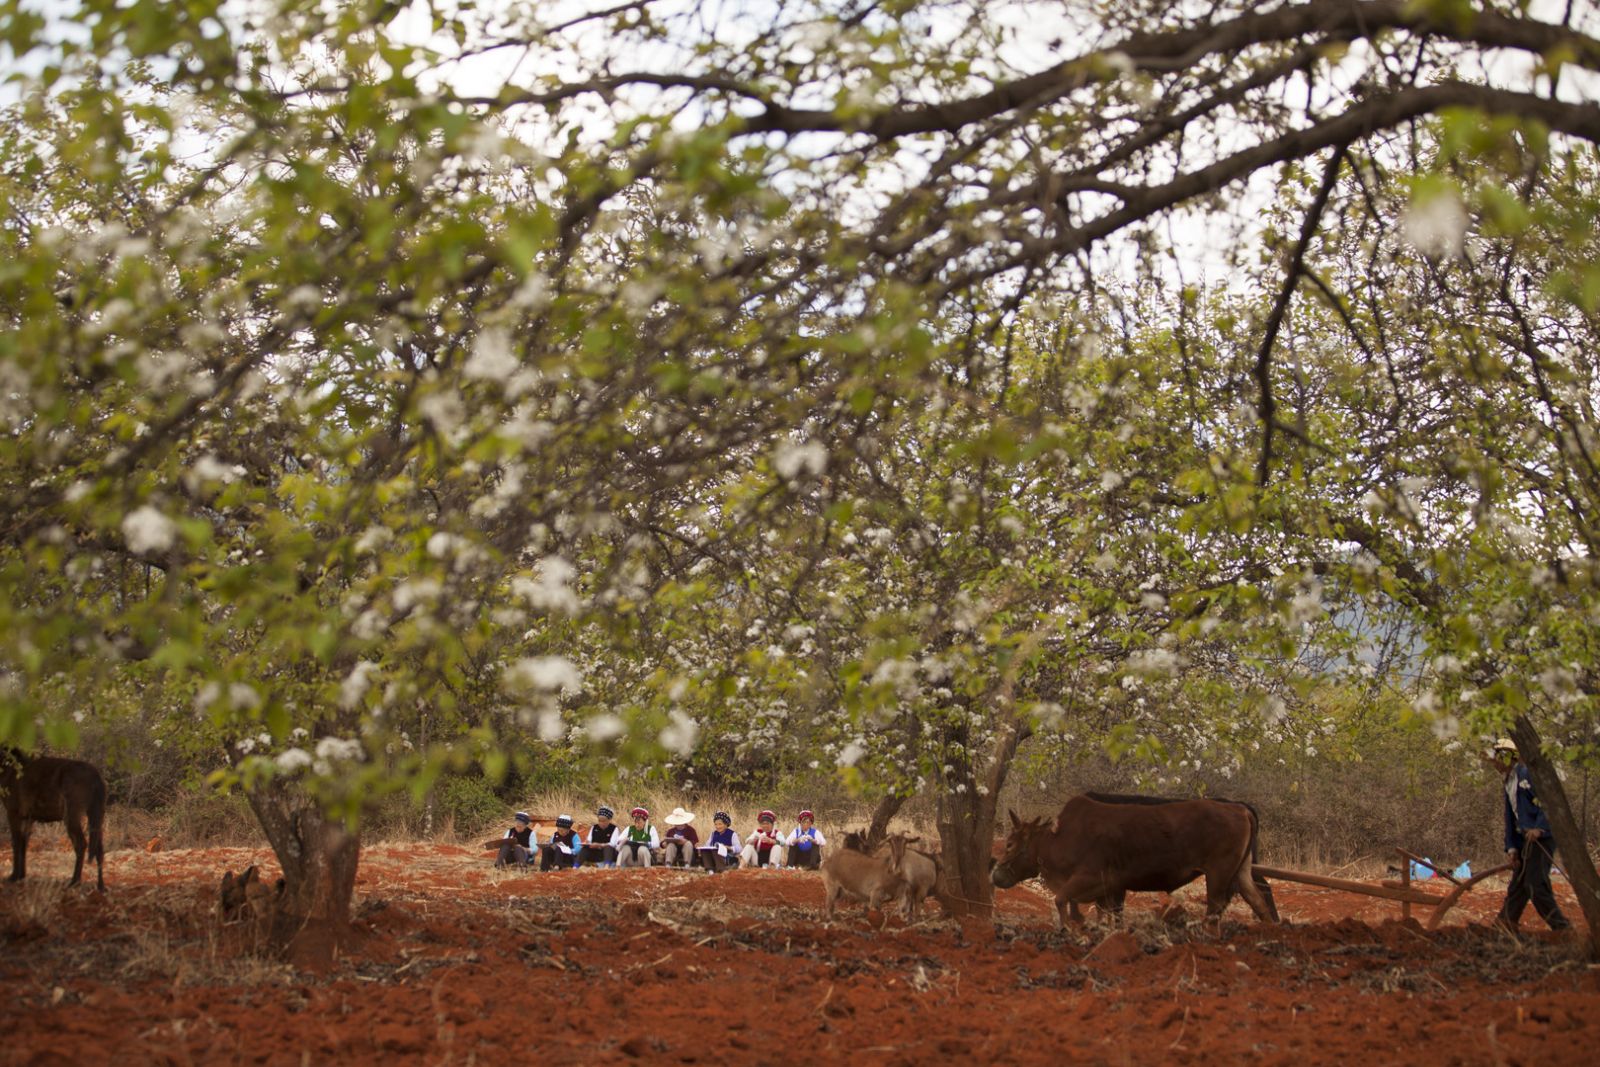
point(246, 896)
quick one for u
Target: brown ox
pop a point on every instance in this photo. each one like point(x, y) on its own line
point(1096, 853)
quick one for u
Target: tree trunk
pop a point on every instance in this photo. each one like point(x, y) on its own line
point(966, 820)
point(878, 828)
point(319, 857)
point(1574, 852)
point(965, 834)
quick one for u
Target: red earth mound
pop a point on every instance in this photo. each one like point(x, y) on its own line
point(455, 962)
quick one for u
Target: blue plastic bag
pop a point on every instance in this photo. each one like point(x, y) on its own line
point(1464, 871)
point(1419, 873)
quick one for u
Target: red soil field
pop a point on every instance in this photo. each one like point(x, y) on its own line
point(453, 962)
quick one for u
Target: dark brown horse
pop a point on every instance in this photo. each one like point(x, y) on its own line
point(1094, 852)
point(48, 789)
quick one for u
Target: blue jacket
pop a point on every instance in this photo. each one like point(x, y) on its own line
point(1528, 814)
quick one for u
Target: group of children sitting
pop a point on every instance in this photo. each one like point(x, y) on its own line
point(609, 844)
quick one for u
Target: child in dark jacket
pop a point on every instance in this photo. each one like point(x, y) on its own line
point(601, 846)
point(563, 847)
point(518, 843)
point(721, 849)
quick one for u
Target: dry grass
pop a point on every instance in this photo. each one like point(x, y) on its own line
point(36, 901)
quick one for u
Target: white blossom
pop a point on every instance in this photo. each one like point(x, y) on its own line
point(1119, 63)
point(148, 531)
point(492, 359)
point(1154, 662)
point(293, 759)
point(416, 591)
point(680, 734)
point(851, 754)
point(444, 412)
point(208, 470)
point(1446, 727)
point(207, 696)
point(243, 696)
point(639, 295)
point(1559, 684)
point(334, 749)
point(549, 726)
point(355, 685)
point(604, 727)
point(1436, 225)
point(441, 544)
point(303, 299)
point(899, 673)
point(794, 458)
point(372, 539)
point(550, 587)
point(1307, 603)
point(543, 674)
point(533, 294)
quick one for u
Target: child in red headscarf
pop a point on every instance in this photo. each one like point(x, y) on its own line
point(764, 846)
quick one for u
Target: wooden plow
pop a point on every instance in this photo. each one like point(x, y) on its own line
point(1401, 889)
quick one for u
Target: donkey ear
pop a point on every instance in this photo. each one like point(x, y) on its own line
point(1015, 822)
point(227, 881)
point(251, 874)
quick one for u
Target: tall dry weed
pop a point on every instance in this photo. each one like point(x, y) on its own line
point(35, 902)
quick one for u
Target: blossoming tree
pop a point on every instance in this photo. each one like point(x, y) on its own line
point(368, 397)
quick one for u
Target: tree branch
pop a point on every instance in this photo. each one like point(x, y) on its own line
point(1280, 307)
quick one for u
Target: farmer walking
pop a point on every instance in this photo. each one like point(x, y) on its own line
point(1529, 845)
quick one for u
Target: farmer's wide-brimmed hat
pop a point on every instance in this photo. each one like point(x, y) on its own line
point(640, 813)
point(679, 817)
point(1504, 744)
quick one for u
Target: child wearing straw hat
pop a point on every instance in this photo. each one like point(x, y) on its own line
point(764, 846)
point(678, 847)
point(638, 841)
